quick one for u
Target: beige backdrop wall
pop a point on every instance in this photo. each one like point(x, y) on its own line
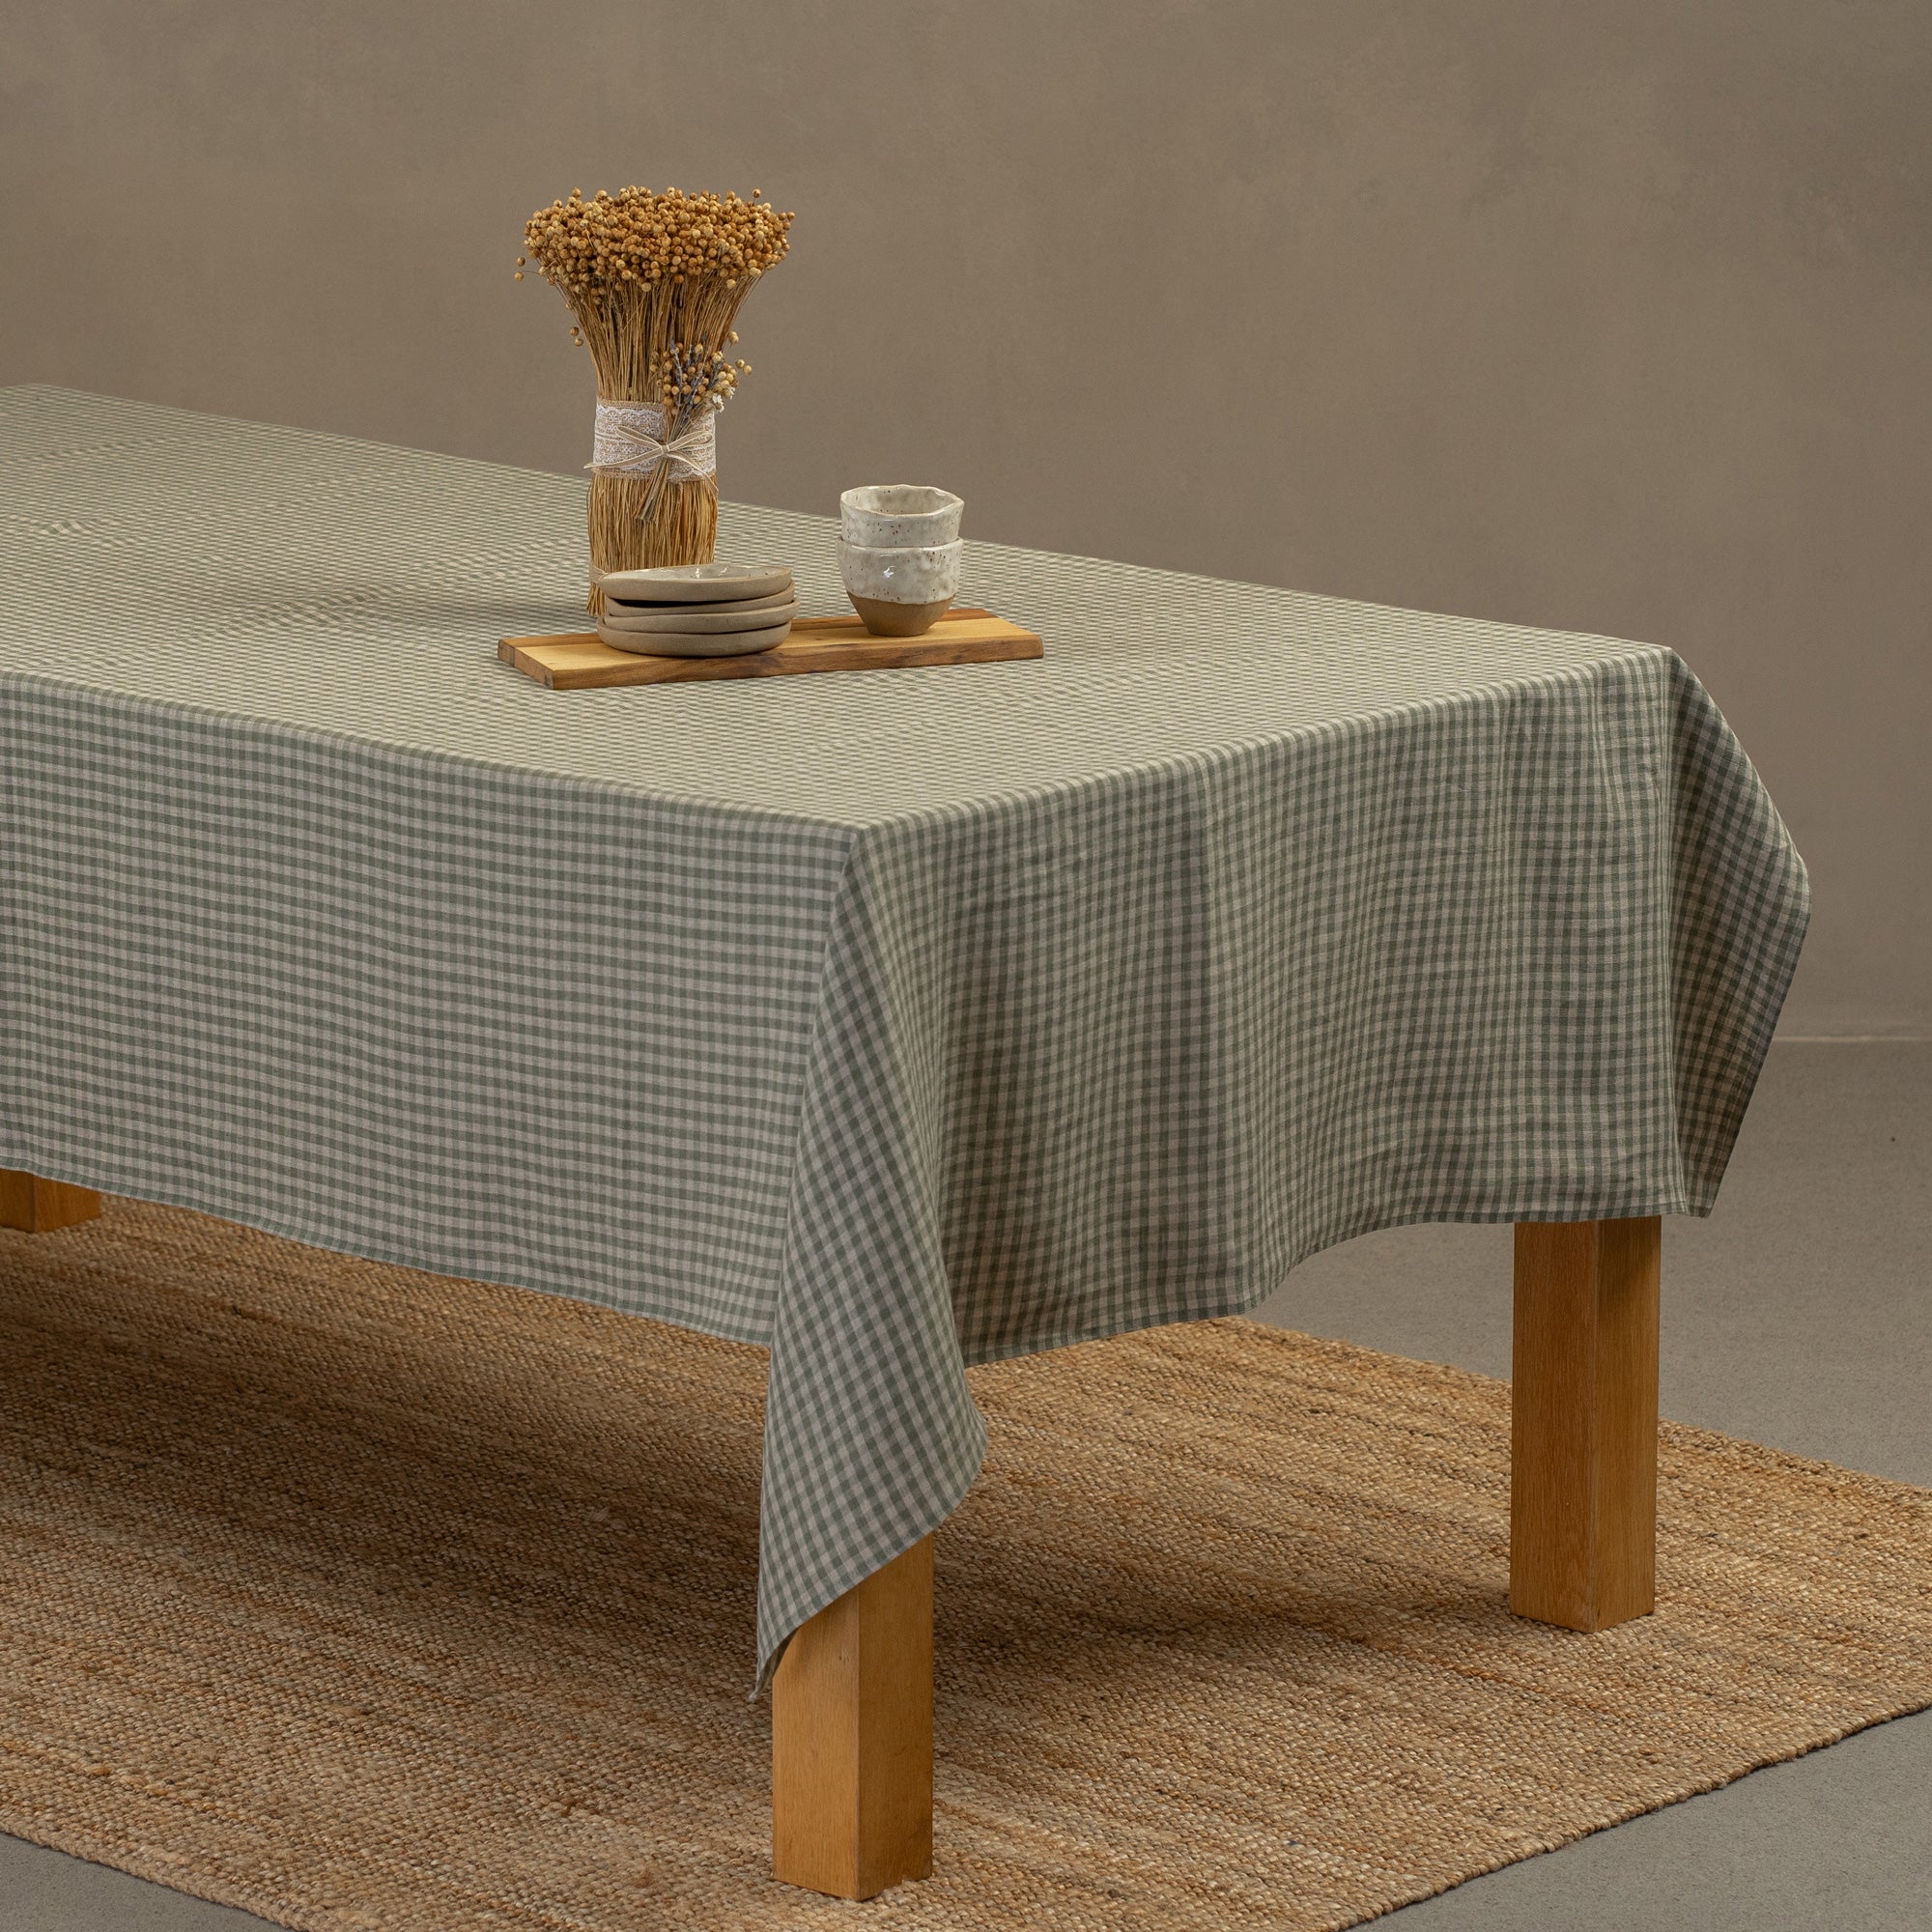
point(1615, 317)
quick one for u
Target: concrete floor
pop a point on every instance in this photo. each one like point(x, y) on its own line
point(1799, 1314)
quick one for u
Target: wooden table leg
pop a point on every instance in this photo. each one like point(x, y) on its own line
point(39, 1207)
point(1583, 1423)
point(852, 1737)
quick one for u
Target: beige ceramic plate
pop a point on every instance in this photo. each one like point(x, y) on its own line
point(697, 582)
point(635, 606)
point(693, 620)
point(706, 644)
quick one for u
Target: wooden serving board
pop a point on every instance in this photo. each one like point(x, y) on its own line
point(582, 661)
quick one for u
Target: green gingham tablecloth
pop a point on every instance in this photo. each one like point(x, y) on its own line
point(895, 1021)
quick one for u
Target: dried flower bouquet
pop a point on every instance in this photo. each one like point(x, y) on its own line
point(654, 282)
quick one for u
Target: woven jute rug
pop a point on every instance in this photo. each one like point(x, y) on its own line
point(363, 1597)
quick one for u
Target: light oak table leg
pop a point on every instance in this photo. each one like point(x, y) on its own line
point(852, 1737)
point(1583, 1423)
point(39, 1207)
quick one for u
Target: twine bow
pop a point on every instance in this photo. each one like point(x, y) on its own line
point(630, 438)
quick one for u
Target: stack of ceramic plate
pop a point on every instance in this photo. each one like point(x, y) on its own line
point(697, 610)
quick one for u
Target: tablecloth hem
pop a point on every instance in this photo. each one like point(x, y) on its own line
point(1246, 1302)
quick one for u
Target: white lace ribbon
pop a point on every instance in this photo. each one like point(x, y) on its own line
point(629, 439)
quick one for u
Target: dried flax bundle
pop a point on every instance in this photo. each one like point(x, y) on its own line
point(654, 282)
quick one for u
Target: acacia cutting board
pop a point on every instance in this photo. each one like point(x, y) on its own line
point(580, 660)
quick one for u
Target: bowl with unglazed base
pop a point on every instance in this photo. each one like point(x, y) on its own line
point(899, 593)
point(900, 516)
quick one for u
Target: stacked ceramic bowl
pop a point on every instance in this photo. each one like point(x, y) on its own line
point(697, 610)
point(898, 554)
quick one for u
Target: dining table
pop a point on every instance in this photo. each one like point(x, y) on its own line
point(894, 1020)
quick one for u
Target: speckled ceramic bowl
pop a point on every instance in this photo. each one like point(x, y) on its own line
point(899, 593)
point(900, 516)
point(900, 575)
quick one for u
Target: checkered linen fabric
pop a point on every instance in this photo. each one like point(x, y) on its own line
point(895, 1021)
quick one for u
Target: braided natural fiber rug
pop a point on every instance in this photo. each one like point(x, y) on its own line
point(368, 1599)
